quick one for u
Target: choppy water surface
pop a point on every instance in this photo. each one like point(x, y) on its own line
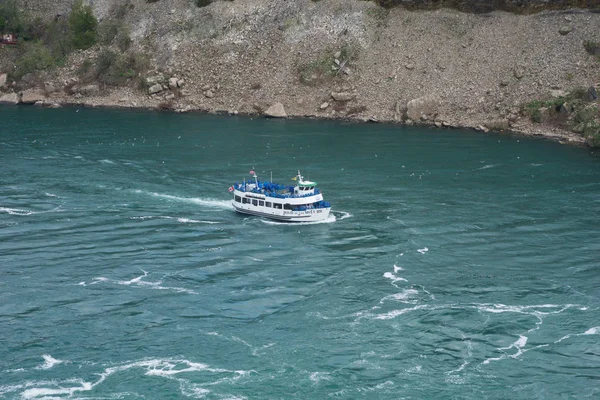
point(458, 265)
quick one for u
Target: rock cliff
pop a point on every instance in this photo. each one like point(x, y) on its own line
point(417, 63)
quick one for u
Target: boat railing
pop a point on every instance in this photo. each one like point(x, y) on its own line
point(270, 190)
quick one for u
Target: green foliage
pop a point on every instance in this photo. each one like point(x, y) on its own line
point(58, 39)
point(592, 48)
point(574, 99)
point(11, 18)
point(594, 139)
point(116, 69)
point(35, 57)
point(83, 25)
point(202, 3)
point(317, 71)
point(325, 68)
point(107, 31)
point(123, 39)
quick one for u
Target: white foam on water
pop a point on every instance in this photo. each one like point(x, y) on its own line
point(394, 313)
point(165, 368)
point(254, 258)
point(138, 281)
point(397, 268)
point(487, 166)
point(194, 221)
point(423, 250)
point(344, 215)
point(194, 391)
point(519, 344)
point(178, 219)
point(592, 331)
point(393, 277)
point(213, 203)
point(403, 297)
point(16, 211)
point(319, 376)
point(53, 390)
point(330, 219)
point(49, 362)
point(107, 162)
point(50, 194)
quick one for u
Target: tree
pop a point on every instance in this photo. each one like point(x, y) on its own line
point(83, 25)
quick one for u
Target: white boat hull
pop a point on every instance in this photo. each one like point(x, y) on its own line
point(280, 214)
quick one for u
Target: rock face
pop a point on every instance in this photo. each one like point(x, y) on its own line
point(32, 96)
point(10, 98)
point(485, 6)
point(425, 106)
point(3, 80)
point(276, 111)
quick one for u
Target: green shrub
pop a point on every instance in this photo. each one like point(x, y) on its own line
point(11, 18)
point(58, 39)
point(115, 69)
point(83, 25)
point(108, 31)
point(123, 39)
point(594, 139)
point(592, 48)
point(35, 57)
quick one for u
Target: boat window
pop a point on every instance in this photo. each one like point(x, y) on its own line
point(244, 200)
point(238, 198)
point(268, 204)
point(254, 202)
point(277, 205)
point(287, 207)
point(311, 188)
point(261, 203)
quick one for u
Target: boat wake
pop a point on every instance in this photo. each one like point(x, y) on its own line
point(213, 203)
point(333, 217)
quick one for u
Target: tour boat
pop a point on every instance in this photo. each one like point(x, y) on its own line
point(302, 202)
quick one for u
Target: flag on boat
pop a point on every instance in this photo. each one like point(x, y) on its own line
point(294, 178)
point(231, 188)
point(252, 172)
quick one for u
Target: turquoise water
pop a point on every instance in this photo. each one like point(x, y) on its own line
point(457, 265)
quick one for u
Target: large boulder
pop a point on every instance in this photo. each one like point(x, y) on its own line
point(9, 98)
point(32, 96)
point(425, 106)
point(343, 96)
point(153, 80)
point(156, 88)
point(3, 78)
point(89, 90)
point(276, 111)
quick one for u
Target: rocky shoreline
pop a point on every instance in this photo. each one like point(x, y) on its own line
point(343, 60)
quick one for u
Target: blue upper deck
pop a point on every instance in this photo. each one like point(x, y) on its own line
point(272, 189)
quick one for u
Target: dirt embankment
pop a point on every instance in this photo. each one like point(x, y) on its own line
point(339, 59)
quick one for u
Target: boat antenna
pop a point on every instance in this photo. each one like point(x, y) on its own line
point(271, 175)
